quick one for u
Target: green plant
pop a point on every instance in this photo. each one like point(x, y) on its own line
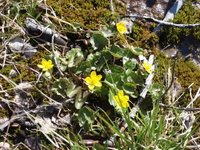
point(99, 95)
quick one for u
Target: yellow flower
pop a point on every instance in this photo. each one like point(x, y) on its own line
point(45, 65)
point(93, 80)
point(147, 66)
point(121, 27)
point(121, 99)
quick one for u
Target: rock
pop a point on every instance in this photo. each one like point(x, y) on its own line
point(18, 45)
point(151, 8)
point(170, 52)
point(23, 97)
point(13, 73)
point(23, 87)
point(33, 143)
point(44, 34)
point(5, 146)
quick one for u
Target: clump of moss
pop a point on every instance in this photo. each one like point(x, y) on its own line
point(142, 35)
point(89, 13)
point(24, 73)
point(187, 15)
point(188, 73)
point(185, 71)
point(3, 113)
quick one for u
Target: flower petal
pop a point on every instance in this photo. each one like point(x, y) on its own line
point(40, 66)
point(147, 66)
point(121, 93)
point(43, 61)
point(126, 98)
point(99, 77)
point(151, 59)
point(88, 80)
point(93, 74)
point(142, 58)
point(91, 87)
point(45, 65)
point(98, 84)
point(121, 27)
point(93, 80)
point(122, 101)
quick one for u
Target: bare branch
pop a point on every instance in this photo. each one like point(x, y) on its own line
point(161, 22)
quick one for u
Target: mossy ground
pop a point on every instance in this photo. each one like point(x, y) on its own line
point(188, 14)
point(95, 13)
point(90, 15)
point(186, 73)
point(143, 36)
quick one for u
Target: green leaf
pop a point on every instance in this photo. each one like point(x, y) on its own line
point(129, 63)
point(116, 69)
point(71, 91)
point(113, 80)
point(100, 59)
point(74, 57)
point(80, 99)
point(83, 67)
point(59, 87)
point(111, 99)
point(156, 90)
point(65, 88)
point(47, 75)
point(117, 51)
point(85, 118)
point(97, 60)
point(98, 41)
point(137, 50)
point(134, 77)
point(130, 88)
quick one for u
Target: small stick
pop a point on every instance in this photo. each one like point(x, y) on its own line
point(161, 22)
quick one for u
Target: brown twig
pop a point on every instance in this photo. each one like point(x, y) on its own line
point(179, 108)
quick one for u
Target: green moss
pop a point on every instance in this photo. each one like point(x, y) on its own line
point(187, 15)
point(89, 13)
point(3, 113)
point(142, 35)
point(24, 73)
point(185, 71)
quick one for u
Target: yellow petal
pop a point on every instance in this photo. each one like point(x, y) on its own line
point(43, 60)
point(40, 66)
point(122, 100)
point(93, 74)
point(45, 65)
point(121, 27)
point(91, 87)
point(116, 97)
point(88, 80)
point(121, 93)
point(147, 67)
point(99, 77)
point(48, 64)
point(98, 84)
point(126, 98)
point(44, 69)
point(93, 80)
